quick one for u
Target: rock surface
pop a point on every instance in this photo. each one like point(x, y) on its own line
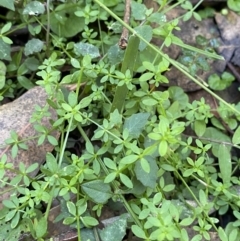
point(15, 116)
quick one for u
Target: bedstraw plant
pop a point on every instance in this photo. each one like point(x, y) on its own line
point(125, 139)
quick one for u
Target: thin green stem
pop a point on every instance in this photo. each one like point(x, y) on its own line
point(80, 77)
point(78, 220)
point(194, 49)
point(82, 132)
point(48, 27)
point(100, 33)
point(50, 202)
point(172, 7)
point(65, 142)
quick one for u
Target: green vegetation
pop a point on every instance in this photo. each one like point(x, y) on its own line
point(123, 139)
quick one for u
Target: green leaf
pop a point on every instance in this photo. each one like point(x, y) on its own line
point(203, 198)
point(169, 188)
point(146, 76)
point(115, 54)
point(234, 5)
point(89, 221)
point(129, 159)
point(186, 221)
point(6, 27)
point(41, 139)
point(163, 148)
point(157, 198)
point(52, 140)
point(115, 231)
point(63, 191)
point(8, 4)
point(78, 117)
point(138, 11)
point(15, 220)
point(41, 227)
point(233, 235)
point(236, 137)
point(34, 8)
point(199, 127)
point(32, 63)
point(85, 102)
point(187, 5)
point(144, 31)
point(145, 165)
point(25, 82)
point(225, 163)
point(149, 66)
point(197, 237)
point(110, 177)
point(168, 41)
point(187, 16)
point(72, 99)
point(75, 63)
point(32, 168)
point(147, 179)
point(236, 214)
point(82, 207)
point(71, 208)
point(10, 215)
point(217, 83)
point(188, 172)
point(126, 180)
point(3, 69)
point(138, 232)
point(184, 235)
point(5, 50)
point(157, 18)
point(22, 70)
point(66, 107)
point(149, 101)
point(9, 204)
point(197, 16)
point(138, 188)
point(87, 234)
point(136, 123)
point(128, 63)
point(14, 150)
point(69, 220)
point(222, 234)
point(97, 190)
point(63, 20)
point(115, 118)
point(86, 49)
point(110, 164)
point(52, 163)
point(110, 3)
point(33, 46)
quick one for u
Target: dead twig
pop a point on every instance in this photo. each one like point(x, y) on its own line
point(124, 36)
point(234, 71)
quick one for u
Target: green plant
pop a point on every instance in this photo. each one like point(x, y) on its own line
point(220, 83)
point(134, 137)
point(234, 5)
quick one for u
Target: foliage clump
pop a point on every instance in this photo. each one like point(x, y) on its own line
point(124, 139)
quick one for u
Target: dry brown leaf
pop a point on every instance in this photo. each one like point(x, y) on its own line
point(15, 116)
